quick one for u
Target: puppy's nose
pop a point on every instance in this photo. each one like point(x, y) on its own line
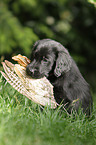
point(29, 70)
point(32, 71)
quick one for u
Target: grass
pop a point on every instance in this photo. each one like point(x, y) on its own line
point(22, 122)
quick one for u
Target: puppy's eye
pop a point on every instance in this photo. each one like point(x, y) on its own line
point(45, 59)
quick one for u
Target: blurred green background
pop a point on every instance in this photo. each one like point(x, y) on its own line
point(70, 22)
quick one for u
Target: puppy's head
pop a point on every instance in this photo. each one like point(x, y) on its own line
point(48, 56)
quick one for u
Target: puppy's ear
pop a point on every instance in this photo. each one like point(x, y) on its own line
point(63, 63)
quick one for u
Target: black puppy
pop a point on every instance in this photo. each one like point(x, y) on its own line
point(49, 58)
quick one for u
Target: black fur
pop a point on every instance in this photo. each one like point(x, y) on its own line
point(49, 58)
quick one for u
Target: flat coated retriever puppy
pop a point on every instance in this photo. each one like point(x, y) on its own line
point(51, 59)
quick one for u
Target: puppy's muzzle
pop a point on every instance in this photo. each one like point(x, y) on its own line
point(30, 70)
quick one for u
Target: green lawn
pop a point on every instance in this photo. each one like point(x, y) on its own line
point(22, 122)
